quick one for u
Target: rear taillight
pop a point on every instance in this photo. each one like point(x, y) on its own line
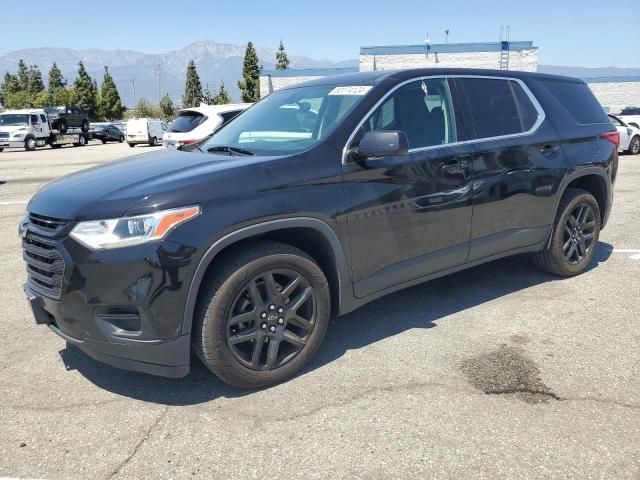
point(613, 137)
point(188, 142)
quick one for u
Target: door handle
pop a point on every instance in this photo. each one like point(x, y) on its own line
point(458, 166)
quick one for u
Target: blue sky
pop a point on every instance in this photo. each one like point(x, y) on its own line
point(579, 33)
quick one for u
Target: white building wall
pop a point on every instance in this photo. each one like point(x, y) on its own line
point(617, 95)
point(524, 60)
point(271, 84)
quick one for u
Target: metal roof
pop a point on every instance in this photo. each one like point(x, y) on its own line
point(445, 48)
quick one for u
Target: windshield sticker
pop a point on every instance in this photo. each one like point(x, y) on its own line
point(354, 90)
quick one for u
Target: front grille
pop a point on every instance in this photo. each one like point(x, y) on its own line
point(45, 265)
point(4, 134)
point(47, 224)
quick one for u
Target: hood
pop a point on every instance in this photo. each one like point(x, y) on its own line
point(144, 183)
point(13, 128)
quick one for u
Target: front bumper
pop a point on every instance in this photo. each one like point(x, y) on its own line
point(122, 307)
point(4, 143)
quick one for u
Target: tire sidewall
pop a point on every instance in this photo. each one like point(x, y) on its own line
point(214, 338)
point(634, 147)
point(558, 234)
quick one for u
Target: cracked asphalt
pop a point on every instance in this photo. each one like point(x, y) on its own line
point(497, 372)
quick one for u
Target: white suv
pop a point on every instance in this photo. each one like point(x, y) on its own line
point(629, 136)
point(197, 123)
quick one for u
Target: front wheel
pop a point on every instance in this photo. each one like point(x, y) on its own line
point(153, 142)
point(131, 145)
point(634, 146)
point(30, 144)
point(262, 314)
point(575, 235)
point(121, 139)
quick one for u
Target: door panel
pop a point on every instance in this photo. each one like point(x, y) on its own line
point(517, 166)
point(410, 216)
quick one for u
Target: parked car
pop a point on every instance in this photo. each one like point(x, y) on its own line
point(145, 130)
point(105, 132)
point(629, 136)
point(319, 199)
point(62, 118)
point(630, 115)
point(194, 124)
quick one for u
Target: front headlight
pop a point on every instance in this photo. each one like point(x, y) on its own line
point(127, 231)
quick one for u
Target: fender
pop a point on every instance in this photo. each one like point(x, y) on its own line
point(251, 231)
point(574, 175)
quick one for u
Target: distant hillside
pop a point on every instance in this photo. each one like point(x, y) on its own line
point(139, 71)
point(584, 72)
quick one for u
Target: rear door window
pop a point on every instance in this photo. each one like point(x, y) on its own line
point(499, 107)
point(187, 121)
point(578, 100)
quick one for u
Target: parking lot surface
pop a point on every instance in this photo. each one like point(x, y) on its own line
point(500, 371)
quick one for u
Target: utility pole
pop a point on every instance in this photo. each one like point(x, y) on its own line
point(158, 70)
point(446, 36)
point(133, 87)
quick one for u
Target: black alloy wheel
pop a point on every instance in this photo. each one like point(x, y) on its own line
point(579, 234)
point(271, 319)
point(634, 146)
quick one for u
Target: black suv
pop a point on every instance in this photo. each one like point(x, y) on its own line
point(318, 199)
point(63, 118)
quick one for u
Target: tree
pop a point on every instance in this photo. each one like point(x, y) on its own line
point(110, 103)
point(282, 61)
point(56, 80)
point(222, 98)
point(192, 88)
point(86, 92)
point(35, 83)
point(250, 83)
point(10, 86)
point(167, 107)
point(23, 75)
point(144, 108)
point(208, 96)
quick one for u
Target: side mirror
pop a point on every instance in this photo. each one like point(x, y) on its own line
point(381, 143)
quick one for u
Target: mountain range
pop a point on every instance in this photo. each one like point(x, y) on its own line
point(145, 75)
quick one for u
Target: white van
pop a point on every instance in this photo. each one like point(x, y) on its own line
point(145, 130)
point(197, 123)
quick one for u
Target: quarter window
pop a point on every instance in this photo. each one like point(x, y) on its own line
point(421, 109)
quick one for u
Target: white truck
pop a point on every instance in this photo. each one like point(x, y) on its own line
point(30, 129)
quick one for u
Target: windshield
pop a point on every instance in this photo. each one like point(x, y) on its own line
point(288, 121)
point(187, 121)
point(53, 110)
point(14, 119)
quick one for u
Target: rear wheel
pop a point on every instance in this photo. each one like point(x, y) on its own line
point(261, 315)
point(153, 142)
point(575, 235)
point(132, 145)
point(634, 146)
point(121, 139)
point(55, 145)
point(1, 149)
point(104, 140)
point(84, 126)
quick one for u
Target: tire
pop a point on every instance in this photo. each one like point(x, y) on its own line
point(121, 139)
point(131, 145)
point(82, 141)
point(62, 126)
point(1, 149)
point(554, 259)
point(227, 287)
point(84, 126)
point(30, 144)
point(634, 146)
point(104, 140)
point(55, 145)
point(153, 142)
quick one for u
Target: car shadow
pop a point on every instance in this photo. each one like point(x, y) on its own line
point(417, 307)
